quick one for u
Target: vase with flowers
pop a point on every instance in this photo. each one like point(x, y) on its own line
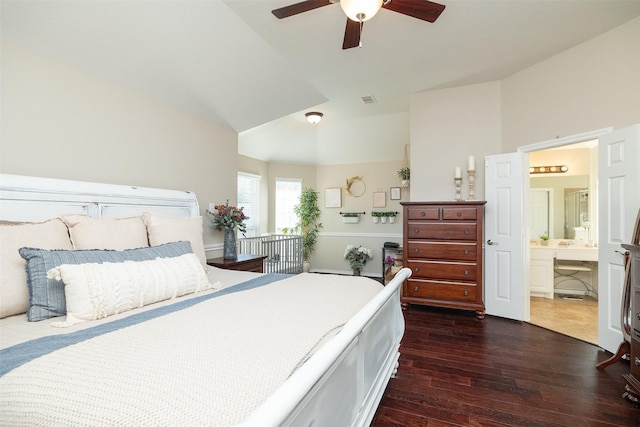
point(357, 257)
point(228, 218)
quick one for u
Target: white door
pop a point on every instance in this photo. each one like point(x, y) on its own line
point(504, 282)
point(619, 201)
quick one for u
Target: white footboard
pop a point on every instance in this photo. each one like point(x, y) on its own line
point(342, 384)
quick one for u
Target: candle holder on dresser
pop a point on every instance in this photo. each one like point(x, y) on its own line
point(472, 184)
point(458, 188)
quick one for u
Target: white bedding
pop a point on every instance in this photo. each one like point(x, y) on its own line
point(186, 367)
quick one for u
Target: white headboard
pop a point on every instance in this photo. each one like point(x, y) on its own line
point(27, 198)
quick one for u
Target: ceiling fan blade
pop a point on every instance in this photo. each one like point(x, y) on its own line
point(421, 9)
point(296, 8)
point(352, 34)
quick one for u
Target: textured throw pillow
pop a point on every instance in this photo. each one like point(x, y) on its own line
point(95, 291)
point(106, 233)
point(51, 234)
point(46, 296)
point(164, 229)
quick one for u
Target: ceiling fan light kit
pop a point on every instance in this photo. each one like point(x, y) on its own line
point(313, 117)
point(360, 10)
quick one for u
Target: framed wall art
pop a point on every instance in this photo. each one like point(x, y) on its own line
point(333, 198)
point(394, 193)
point(379, 199)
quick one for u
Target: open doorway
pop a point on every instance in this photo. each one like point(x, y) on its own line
point(563, 267)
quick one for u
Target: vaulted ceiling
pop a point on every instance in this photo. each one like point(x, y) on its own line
point(233, 63)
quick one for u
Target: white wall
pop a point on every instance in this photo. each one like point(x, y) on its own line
point(591, 86)
point(58, 122)
point(447, 126)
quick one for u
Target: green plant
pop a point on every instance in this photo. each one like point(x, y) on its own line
point(544, 237)
point(376, 214)
point(404, 173)
point(350, 214)
point(389, 214)
point(357, 256)
point(308, 226)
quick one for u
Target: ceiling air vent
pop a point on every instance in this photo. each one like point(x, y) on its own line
point(369, 99)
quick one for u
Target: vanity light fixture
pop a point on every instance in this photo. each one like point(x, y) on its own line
point(548, 169)
point(313, 117)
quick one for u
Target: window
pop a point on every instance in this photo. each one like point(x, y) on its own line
point(248, 198)
point(288, 192)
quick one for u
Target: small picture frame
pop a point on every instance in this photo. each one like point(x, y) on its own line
point(333, 198)
point(380, 199)
point(394, 193)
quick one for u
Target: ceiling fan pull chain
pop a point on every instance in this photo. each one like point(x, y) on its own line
point(360, 38)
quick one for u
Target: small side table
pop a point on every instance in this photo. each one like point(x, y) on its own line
point(243, 262)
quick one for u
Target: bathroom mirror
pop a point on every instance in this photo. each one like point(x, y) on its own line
point(567, 206)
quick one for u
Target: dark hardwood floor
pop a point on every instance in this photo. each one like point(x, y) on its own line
point(456, 370)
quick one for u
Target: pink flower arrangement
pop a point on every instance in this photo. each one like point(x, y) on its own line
point(225, 216)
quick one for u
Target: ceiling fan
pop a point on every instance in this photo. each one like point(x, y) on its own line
point(358, 11)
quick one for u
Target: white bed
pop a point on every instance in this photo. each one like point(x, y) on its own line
point(248, 349)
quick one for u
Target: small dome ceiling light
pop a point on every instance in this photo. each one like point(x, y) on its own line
point(313, 117)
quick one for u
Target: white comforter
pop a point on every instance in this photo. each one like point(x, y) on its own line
point(210, 364)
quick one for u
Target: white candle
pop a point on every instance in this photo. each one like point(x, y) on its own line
point(458, 172)
point(472, 164)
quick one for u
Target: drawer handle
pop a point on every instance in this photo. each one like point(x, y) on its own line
point(636, 361)
point(466, 231)
point(416, 289)
point(459, 214)
point(416, 269)
point(416, 250)
point(466, 252)
point(466, 272)
point(466, 293)
point(417, 230)
point(423, 213)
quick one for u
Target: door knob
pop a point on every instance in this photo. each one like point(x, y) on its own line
point(491, 242)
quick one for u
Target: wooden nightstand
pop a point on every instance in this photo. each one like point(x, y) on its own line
point(253, 263)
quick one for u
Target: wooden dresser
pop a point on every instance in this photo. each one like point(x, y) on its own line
point(443, 248)
point(633, 377)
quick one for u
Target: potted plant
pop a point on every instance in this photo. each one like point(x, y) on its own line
point(391, 215)
point(544, 239)
point(308, 226)
point(376, 216)
point(228, 218)
point(357, 257)
point(350, 217)
point(405, 174)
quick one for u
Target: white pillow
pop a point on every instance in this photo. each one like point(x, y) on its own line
point(106, 233)
point(165, 229)
point(94, 291)
point(14, 293)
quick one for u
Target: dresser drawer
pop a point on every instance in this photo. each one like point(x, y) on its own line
point(442, 231)
point(635, 305)
point(459, 213)
point(635, 354)
point(443, 270)
point(437, 250)
point(449, 291)
point(423, 212)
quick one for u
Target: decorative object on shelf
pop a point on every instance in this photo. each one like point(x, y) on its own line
point(314, 117)
point(394, 193)
point(355, 186)
point(471, 171)
point(308, 226)
point(228, 218)
point(332, 198)
point(379, 199)
point(351, 217)
point(357, 257)
point(544, 239)
point(548, 169)
point(458, 180)
point(405, 173)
